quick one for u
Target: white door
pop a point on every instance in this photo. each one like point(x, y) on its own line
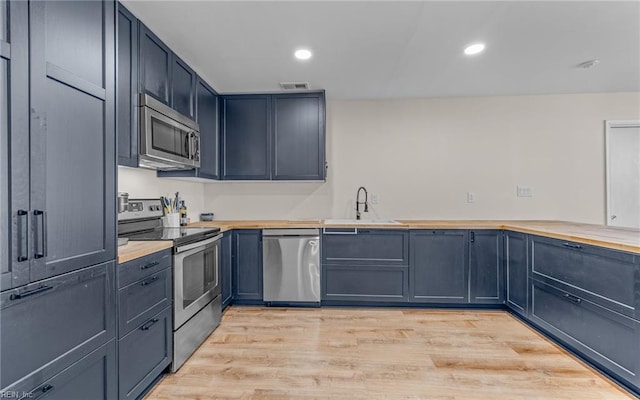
point(623, 173)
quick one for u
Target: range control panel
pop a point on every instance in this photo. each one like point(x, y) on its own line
point(142, 208)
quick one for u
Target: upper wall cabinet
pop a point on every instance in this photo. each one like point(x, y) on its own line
point(183, 88)
point(207, 113)
point(298, 137)
point(246, 137)
point(155, 66)
point(127, 93)
point(273, 137)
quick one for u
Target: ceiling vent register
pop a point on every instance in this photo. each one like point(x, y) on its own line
point(294, 85)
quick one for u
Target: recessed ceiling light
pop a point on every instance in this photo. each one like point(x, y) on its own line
point(474, 49)
point(303, 54)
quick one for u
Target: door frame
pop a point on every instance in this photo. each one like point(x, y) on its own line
point(609, 125)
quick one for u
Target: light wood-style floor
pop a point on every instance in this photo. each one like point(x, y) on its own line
point(348, 354)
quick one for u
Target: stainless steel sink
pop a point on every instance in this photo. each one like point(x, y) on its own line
point(361, 222)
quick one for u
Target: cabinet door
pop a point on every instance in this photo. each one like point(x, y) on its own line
point(364, 284)
point(365, 246)
point(15, 253)
point(183, 88)
point(247, 265)
point(298, 137)
point(127, 93)
point(144, 354)
point(155, 66)
point(93, 377)
point(438, 266)
point(72, 135)
point(226, 268)
point(207, 117)
point(47, 326)
point(246, 137)
point(486, 272)
point(516, 256)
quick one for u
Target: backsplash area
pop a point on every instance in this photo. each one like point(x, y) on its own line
point(143, 183)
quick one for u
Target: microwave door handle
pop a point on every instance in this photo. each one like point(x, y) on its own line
point(195, 149)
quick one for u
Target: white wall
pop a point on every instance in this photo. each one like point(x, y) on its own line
point(422, 156)
point(142, 183)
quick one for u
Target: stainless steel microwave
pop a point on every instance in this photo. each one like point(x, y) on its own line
point(168, 139)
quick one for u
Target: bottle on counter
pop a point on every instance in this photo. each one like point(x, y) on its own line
point(183, 214)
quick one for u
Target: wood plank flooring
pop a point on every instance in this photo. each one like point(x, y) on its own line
point(329, 353)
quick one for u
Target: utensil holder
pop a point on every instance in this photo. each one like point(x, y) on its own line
point(171, 220)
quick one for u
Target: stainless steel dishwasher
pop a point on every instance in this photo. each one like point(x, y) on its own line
point(291, 265)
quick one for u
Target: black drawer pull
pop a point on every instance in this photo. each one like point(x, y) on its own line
point(31, 292)
point(149, 281)
point(46, 388)
point(150, 265)
point(149, 324)
point(572, 298)
point(42, 391)
point(572, 246)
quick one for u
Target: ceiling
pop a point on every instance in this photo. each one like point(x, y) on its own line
point(397, 49)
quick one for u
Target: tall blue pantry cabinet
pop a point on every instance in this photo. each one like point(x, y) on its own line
point(57, 231)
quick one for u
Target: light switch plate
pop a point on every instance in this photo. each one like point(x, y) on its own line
point(375, 198)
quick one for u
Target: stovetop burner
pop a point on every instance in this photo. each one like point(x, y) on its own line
point(143, 221)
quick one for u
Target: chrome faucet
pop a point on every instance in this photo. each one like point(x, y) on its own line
point(358, 202)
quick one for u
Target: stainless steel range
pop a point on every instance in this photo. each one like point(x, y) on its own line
point(197, 304)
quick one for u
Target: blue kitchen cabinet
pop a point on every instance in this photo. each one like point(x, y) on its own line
point(604, 337)
point(207, 117)
point(517, 267)
point(127, 122)
point(47, 326)
point(486, 267)
point(273, 137)
point(247, 266)
point(298, 144)
point(15, 247)
point(364, 266)
point(183, 87)
point(226, 269)
point(155, 63)
point(246, 137)
point(145, 322)
point(439, 267)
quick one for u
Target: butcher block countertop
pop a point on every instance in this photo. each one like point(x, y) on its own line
point(598, 235)
point(133, 250)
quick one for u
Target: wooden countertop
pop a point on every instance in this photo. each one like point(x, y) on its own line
point(625, 239)
point(133, 250)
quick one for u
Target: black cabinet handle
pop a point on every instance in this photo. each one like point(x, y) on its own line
point(23, 235)
point(572, 246)
point(149, 324)
point(573, 299)
point(472, 237)
point(40, 234)
point(31, 292)
point(149, 281)
point(44, 389)
point(150, 265)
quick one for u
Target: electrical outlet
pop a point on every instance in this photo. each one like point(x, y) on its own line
point(524, 191)
point(375, 198)
point(471, 197)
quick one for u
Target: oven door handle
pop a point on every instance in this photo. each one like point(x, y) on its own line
point(203, 243)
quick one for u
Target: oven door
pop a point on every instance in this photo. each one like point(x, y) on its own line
point(196, 278)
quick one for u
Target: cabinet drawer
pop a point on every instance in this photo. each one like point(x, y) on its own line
point(93, 377)
point(362, 283)
point(365, 246)
point(47, 326)
point(139, 268)
point(604, 336)
point(143, 299)
point(144, 354)
point(603, 276)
